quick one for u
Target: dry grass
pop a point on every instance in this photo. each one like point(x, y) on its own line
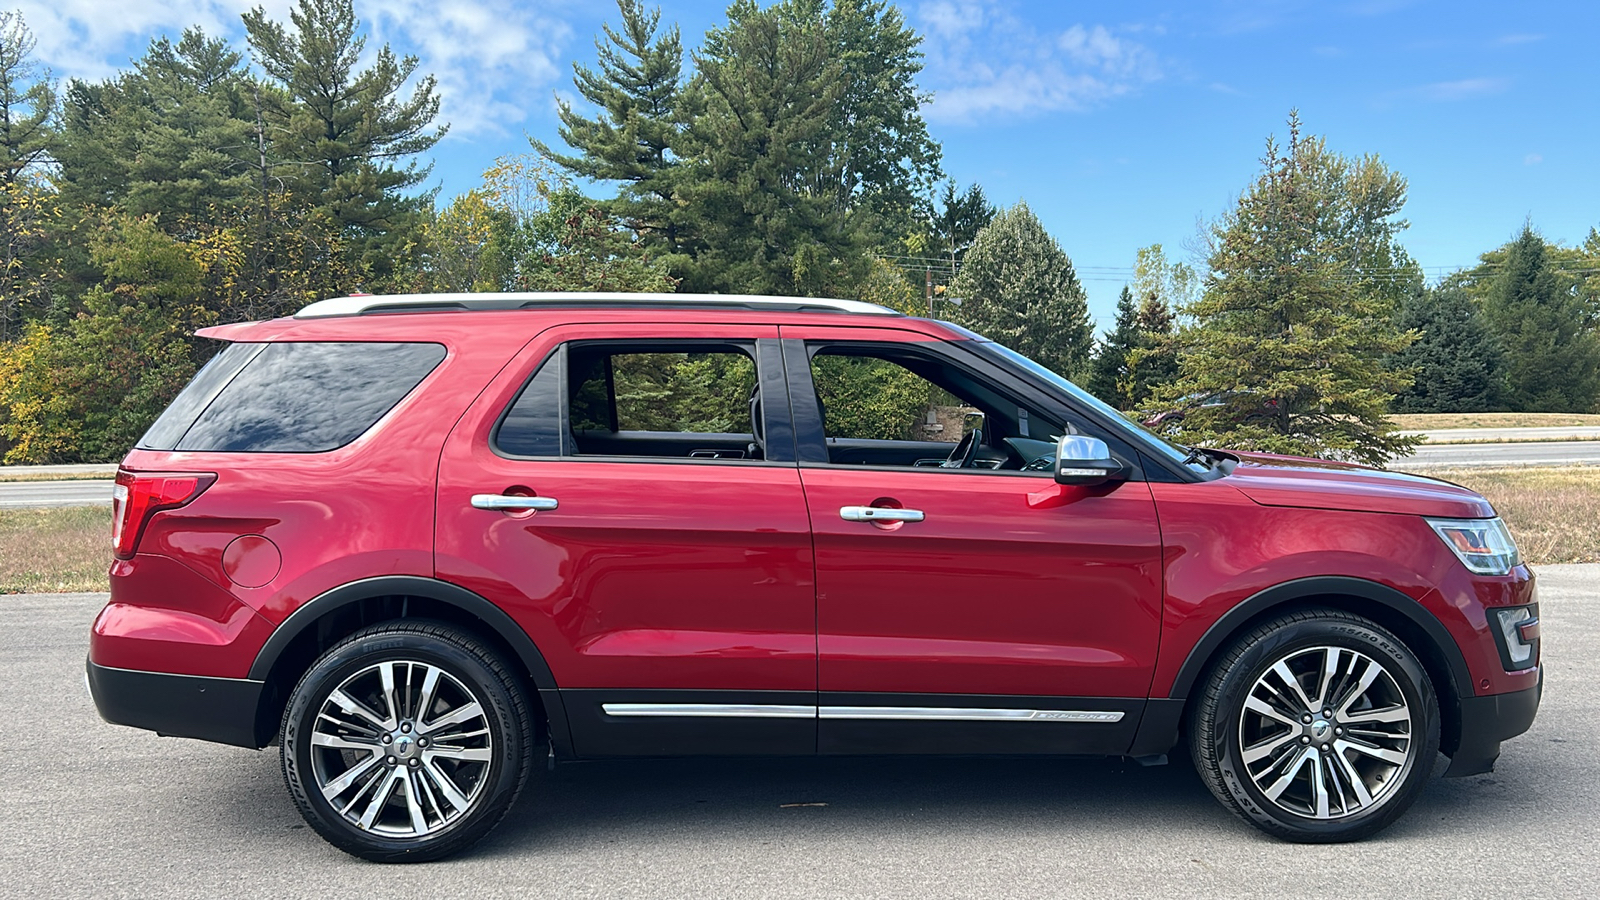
point(1553, 512)
point(1438, 421)
point(55, 549)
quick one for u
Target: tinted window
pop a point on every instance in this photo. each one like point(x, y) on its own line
point(532, 427)
point(687, 393)
point(169, 429)
point(309, 397)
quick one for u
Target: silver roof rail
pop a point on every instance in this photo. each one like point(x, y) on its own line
point(362, 304)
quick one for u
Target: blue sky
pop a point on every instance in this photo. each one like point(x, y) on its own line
point(1121, 124)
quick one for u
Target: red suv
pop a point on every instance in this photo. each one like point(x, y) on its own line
point(419, 540)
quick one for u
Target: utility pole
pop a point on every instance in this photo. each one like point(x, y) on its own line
point(927, 288)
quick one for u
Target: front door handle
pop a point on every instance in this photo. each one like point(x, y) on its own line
point(508, 502)
point(879, 514)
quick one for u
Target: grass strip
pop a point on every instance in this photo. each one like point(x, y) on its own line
point(47, 550)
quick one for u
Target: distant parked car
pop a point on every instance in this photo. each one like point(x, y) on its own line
point(1169, 421)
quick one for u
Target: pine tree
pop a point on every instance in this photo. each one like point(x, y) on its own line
point(1458, 363)
point(1153, 362)
point(1109, 376)
point(1552, 348)
point(1291, 314)
point(170, 138)
point(637, 91)
point(348, 128)
point(1017, 287)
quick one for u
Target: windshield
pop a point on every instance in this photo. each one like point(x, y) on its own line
point(1155, 442)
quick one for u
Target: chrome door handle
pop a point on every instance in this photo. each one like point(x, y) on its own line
point(507, 502)
point(879, 514)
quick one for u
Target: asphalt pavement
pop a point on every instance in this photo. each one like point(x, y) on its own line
point(95, 810)
point(1532, 453)
point(20, 494)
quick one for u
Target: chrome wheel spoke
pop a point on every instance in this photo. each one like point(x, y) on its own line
point(1394, 757)
point(419, 821)
point(1257, 705)
point(1289, 679)
point(452, 794)
point(358, 709)
point(1388, 715)
point(337, 786)
point(455, 717)
point(471, 754)
point(1257, 752)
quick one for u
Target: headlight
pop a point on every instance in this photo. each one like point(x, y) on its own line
point(1484, 546)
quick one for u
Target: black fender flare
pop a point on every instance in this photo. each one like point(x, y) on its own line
point(404, 585)
point(1234, 619)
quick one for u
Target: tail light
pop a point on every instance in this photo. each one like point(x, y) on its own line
point(139, 495)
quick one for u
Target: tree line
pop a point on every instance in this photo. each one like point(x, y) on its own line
point(787, 155)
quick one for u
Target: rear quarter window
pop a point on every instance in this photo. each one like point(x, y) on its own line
point(304, 397)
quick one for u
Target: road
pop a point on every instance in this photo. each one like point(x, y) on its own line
point(1540, 453)
point(95, 810)
point(18, 494)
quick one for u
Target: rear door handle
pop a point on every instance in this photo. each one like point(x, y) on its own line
point(505, 501)
point(879, 514)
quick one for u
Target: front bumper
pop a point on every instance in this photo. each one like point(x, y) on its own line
point(1488, 720)
point(210, 709)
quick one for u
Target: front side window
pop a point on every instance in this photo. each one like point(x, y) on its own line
point(883, 405)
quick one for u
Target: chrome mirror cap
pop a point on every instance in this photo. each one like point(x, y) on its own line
point(1085, 462)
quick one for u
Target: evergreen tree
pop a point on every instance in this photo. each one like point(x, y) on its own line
point(637, 92)
point(348, 129)
point(758, 182)
point(1552, 348)
point(169, 138)
point(1458, 364)
point(27, 207)
point(1153, 362)
point(1289, 312)
point(1017, 287)
point(958, 221)
point(1109, 376)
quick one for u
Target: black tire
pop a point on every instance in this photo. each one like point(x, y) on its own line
point(1320, 768)
point(481, 762)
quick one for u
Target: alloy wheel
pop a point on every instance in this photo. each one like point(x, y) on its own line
point(1326, 733)
point(401, 749)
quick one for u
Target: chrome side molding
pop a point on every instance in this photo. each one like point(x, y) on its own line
point(879, 713)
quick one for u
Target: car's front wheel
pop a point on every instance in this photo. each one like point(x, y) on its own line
point(406, 742)
point(1319, 727)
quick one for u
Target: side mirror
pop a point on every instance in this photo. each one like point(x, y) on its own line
point(1085, 462)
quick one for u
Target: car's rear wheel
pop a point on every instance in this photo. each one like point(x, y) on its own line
point(406, 742)
point(1317, 727)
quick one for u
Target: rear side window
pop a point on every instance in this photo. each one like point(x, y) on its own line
point(292, 397)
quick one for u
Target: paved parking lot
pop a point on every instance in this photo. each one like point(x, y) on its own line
point(92, 810)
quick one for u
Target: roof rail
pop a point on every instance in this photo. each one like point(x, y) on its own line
point(364, 304)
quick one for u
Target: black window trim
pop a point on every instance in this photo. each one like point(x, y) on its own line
point(764, 353)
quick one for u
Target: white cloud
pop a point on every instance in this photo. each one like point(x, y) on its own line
point(1513, 39)
point(1464, 89)
point(1532, 159)
point(982, 61)
point(89, 38)
point(494, 59)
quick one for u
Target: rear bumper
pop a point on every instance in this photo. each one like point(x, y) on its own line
point(210, 709)
point(1486, 721)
